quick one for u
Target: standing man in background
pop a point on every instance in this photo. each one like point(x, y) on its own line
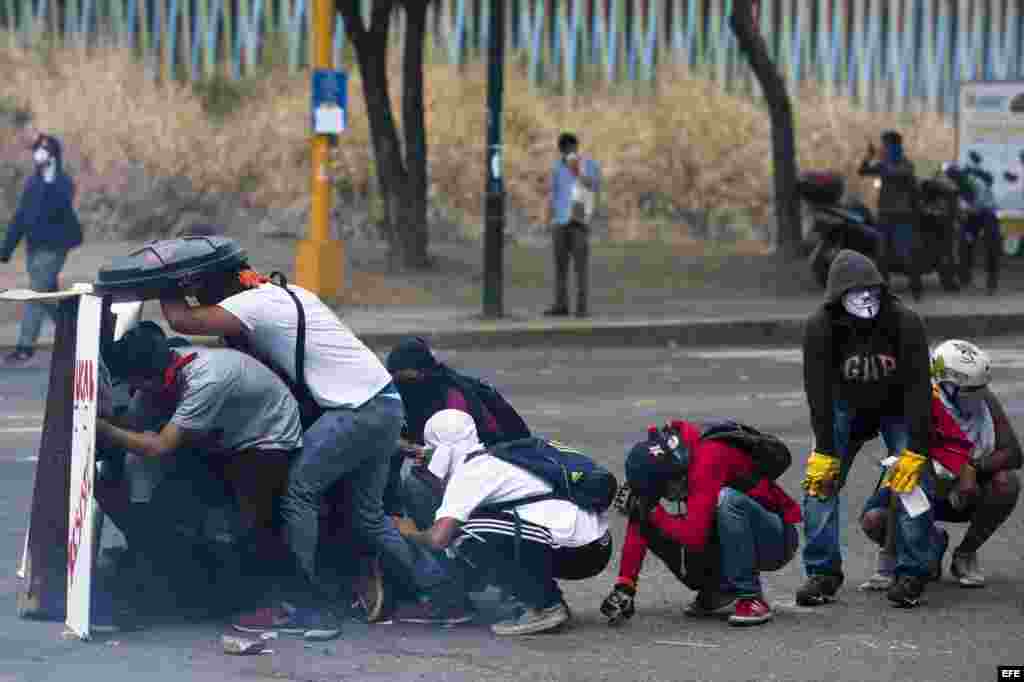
point(47, 220)
point(575, 184)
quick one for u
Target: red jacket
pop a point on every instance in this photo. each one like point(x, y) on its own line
point(713, 464)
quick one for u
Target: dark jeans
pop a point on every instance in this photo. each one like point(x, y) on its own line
point(530, 570)
point(981, 225)
point(572, 240)
point(822, 517)
point(44, 266)
point(353, 446)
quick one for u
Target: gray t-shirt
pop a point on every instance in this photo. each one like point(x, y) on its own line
point(238, 397)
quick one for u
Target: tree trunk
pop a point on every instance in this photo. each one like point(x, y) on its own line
point(787, 203)
point(414, 222)
point(404, 197)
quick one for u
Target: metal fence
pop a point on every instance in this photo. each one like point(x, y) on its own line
point(888, 54)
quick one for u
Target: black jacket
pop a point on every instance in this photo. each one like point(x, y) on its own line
point(880, 365)
point(45, 215)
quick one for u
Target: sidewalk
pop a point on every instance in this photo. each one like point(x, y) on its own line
point(708, 317)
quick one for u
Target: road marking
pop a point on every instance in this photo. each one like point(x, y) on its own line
point(702, 645)
point(21, 429)
point(777, 354)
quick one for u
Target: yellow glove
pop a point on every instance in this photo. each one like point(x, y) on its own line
point(904, 475)
point(822, 471)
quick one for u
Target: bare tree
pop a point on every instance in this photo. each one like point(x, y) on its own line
point(787, 203)
point(401, 168)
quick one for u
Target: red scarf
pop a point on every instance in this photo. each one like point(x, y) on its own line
point(170, 391)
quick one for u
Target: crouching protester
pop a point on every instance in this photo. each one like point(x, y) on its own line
point(200, 417)
point(353, 417)
point(428, 386)
point(866, 371)
point(738, 521)
point(505, 518)
point(974, 452)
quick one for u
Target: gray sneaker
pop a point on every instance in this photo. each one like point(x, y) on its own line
point(532, 621)
point(884, 576)
point(965, 569)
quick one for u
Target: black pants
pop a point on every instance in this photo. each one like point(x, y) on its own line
point(529, 571)
point(572, 240)
point(981, 226)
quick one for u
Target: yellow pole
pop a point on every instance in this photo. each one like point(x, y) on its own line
point(319, 260)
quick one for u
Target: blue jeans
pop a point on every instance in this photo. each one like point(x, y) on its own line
point(822, 554)
point(354, 446)
point(918, 541)
point(43, 265)
point(752, 539)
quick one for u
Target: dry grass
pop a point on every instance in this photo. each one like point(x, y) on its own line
point(689, 144)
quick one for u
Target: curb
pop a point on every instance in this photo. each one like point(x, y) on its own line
point(784, 331)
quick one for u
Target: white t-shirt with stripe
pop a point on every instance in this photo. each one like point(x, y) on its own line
point(485, 479)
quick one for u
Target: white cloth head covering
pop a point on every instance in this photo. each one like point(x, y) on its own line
point(453, 434)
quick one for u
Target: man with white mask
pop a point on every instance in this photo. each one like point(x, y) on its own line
point(866, 372)
point(46, 219)
point(528, 546)
point(974, 451)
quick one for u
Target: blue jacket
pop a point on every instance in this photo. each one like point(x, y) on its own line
point(46, 214)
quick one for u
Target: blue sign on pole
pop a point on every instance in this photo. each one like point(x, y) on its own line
point(330, 102)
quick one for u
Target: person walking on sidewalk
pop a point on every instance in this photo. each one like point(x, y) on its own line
point(575, 185)
point(46, 219)
point(866, 371)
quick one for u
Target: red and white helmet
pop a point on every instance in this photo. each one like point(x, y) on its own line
point(962, 364)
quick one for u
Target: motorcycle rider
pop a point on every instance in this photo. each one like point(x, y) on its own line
point(866, 371)
point(731, 531)
point(898, 212)
point(975, 184)
point(975, 452)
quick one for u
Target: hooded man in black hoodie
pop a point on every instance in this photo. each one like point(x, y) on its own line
point(866, 371)
point(46, 219)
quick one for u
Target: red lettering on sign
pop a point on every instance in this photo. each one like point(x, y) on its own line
point(84, 381)
point(75, 534)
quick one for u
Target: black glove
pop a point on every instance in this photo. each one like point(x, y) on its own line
point(5, 259)
point(641, 506)
point(618, 606)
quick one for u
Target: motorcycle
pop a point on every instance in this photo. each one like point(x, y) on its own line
point(836, 225)
point(850, 225)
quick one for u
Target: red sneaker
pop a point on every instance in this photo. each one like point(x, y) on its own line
point(751, 611)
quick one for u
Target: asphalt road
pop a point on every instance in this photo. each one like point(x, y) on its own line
point(601, 399)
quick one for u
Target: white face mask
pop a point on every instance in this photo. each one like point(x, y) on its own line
point(41, 156)
point(863, 302)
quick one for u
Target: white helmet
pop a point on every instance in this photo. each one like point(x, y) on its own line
point(962, 364)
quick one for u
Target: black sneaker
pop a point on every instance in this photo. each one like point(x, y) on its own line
point(618, 606)
point(906, 592)
point(557, 311)
point(819, 589)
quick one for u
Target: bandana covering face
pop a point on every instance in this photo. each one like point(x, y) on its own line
point(453, 434)
point(863, 302)
point(971, 413)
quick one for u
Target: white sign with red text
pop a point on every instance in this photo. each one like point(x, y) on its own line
point(82, 509)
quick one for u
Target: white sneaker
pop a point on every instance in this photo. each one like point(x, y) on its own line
point(879, 582)
point(885, 573)
point(532, 621)
point(965, 569)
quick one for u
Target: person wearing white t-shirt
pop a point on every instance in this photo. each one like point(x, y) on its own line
point(551, 539)
point(351, 441)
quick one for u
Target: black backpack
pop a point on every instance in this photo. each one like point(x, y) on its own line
point(512, 426)
point(770, 455)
